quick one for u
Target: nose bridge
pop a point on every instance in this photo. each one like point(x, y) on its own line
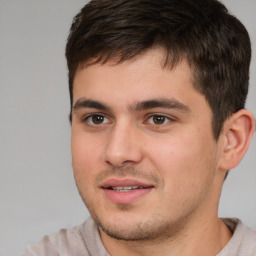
point(122, 146)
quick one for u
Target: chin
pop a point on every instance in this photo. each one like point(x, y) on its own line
point(132, 228)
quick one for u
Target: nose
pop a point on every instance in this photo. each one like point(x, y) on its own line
point(124, 146)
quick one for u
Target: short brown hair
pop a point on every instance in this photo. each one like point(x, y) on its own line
point(215, 43)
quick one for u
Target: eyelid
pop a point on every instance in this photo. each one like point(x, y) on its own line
point(86, 117)
point(169, 119)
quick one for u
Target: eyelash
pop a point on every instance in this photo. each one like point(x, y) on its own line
point(160, 117)
point(149, 120)
point(90, 123)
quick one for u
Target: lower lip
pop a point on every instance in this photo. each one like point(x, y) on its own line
point(126, 197)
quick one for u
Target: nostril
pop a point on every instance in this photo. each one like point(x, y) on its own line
point(121, 164)
point(122, 148)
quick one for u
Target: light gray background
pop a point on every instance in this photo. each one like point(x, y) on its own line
point(37, 192)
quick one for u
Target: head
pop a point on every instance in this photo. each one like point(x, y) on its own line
point(157, 93)
point(215, 44)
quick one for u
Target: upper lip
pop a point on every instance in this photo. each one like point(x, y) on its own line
point(114, 182)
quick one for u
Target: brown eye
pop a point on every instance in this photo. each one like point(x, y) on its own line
point(96, 119)
point(159, 119)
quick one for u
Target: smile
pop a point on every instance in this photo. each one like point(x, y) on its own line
point(125, 189)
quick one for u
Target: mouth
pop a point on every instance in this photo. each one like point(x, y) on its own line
point(125, 191)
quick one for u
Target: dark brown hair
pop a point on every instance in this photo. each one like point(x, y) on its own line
point(215, 43)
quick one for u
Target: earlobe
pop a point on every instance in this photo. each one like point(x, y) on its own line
point(237, 134)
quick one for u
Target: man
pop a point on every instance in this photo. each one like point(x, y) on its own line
point(157, 93)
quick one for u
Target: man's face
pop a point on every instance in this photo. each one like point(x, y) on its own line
point(144, 157)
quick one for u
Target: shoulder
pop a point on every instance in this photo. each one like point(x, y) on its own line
point(243, 241)
point(82, 240)
point(248, 243)
point(65, 242)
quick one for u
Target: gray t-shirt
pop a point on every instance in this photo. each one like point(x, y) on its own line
point(84, 240)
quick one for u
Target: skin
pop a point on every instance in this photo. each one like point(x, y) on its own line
point(139, 121)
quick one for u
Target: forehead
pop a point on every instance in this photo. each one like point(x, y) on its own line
point(138, 79)
point(150, 65)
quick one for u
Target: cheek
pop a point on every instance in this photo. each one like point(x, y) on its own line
point(187, 172)
point(85, 155)
point(183, 160)
point(85, 149)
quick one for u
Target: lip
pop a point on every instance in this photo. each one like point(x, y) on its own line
point(125, 197)
point(124, 183)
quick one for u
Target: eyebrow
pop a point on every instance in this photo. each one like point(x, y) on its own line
point(161, 103)
point(86, 103)
point(139, 106)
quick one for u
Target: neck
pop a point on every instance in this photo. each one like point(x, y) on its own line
point(207, 237)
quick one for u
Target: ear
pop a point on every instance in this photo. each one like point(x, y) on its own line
point(236, 136)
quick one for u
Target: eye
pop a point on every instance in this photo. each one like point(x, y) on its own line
point(96, 119)
point(158, 120)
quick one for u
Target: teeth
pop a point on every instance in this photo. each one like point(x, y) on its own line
point(125, 189)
